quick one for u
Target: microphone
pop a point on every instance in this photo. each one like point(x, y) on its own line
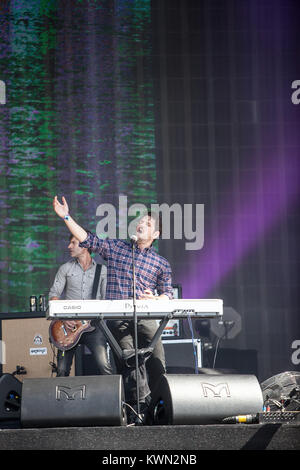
point(133, 239)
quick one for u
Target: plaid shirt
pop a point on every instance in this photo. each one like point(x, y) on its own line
point(152, 271)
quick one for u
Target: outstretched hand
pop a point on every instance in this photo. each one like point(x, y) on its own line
point(60, 209)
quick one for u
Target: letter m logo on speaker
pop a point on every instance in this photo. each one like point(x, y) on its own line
point(70, 393)
point(217, 390)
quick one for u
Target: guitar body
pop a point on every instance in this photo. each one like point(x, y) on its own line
point(64, 338)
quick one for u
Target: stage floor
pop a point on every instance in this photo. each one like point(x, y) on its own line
point(141, 438)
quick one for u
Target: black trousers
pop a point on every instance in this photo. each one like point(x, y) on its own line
point(97, 344)
point(150, 369)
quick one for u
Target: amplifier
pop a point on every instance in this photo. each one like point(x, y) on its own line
point(182, 355)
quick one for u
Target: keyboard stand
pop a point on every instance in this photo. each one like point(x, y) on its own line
point(145, 353)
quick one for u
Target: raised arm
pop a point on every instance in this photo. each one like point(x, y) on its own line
point(62, 210)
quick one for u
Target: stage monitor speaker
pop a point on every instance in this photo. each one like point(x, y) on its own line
point(10, 397)
point(73, 401)
point(204, 399)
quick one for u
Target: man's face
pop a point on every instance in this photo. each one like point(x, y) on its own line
point(74, 248)
point(146, 229)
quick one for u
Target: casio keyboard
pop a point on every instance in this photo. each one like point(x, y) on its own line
point(120, 309)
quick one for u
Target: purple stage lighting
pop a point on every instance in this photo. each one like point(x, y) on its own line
point(253, 210)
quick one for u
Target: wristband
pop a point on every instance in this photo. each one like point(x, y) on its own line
point(66, 217)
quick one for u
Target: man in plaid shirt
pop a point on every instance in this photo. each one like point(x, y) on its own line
point(152, 272)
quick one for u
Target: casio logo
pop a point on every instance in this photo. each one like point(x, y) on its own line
point(72, 307)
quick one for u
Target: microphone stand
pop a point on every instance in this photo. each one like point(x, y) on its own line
point(135, 331)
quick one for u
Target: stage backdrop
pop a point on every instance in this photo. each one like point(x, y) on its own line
point(171, 101)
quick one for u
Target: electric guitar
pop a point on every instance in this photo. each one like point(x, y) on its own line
point(64, 338)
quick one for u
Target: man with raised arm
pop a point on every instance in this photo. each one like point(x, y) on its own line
point(153, 275)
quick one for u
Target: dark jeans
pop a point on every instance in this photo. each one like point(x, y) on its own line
point(96, 343)
point(150, 369)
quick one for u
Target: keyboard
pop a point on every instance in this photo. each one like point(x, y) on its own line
point(120, 309)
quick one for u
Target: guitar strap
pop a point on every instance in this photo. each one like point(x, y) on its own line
point(96, 280)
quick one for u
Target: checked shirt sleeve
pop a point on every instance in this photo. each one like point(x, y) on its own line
point(96, 244)
point(164, 281)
